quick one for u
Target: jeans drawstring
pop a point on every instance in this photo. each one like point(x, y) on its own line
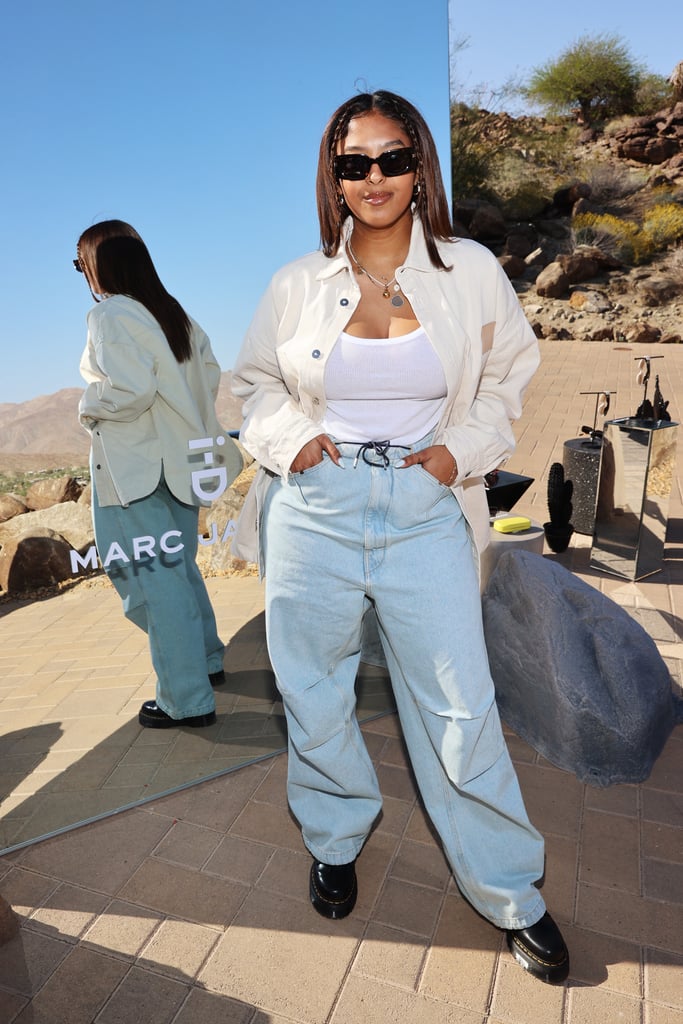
point(378, 448)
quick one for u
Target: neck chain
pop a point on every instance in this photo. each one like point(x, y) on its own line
point(396, 299)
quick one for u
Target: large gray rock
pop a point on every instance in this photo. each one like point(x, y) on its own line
point(575, 676)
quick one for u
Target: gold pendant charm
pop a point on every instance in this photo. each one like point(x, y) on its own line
point(385, 293)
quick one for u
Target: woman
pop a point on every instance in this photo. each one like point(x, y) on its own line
point(149, 406)
point(379, 379)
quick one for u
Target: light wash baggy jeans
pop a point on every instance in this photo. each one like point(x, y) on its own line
point(336, 540)
point(165, 595)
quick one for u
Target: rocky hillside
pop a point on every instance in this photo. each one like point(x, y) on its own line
point(587, 224)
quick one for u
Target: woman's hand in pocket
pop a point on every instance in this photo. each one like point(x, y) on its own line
point(312, 453)
point(436, 460)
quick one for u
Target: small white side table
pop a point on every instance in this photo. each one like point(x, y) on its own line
point(527, 540)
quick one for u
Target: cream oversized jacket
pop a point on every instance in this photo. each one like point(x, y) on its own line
point(473, 319)
point(143, 408)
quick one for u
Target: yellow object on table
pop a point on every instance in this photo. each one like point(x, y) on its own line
point(511, 524)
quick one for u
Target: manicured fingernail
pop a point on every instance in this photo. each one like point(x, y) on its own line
point(341, 463)
point(400, 464)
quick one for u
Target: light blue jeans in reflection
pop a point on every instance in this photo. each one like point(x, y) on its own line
point(163, 593)
point(335, 541)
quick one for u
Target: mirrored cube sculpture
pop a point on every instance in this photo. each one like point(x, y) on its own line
point(637, 469)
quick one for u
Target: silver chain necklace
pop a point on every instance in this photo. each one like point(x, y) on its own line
point(396, 298)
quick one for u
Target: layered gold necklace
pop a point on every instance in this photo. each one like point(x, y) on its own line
point(386, 286)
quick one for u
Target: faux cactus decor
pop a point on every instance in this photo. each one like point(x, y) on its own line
point(559, 530)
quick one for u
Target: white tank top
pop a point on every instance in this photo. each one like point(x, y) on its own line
point(383, 389)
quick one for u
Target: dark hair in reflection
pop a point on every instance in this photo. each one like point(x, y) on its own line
point(117, 262)
point(431, 203)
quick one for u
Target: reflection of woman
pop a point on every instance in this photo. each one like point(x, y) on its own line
point(380, 378)
point(152, 380)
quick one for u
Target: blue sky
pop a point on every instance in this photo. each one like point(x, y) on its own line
point(507, 41)
point(200, 123)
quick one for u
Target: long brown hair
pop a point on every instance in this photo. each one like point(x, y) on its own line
point(117, 262)
point(431, 203)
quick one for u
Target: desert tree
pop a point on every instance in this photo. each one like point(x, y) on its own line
point(596, 78)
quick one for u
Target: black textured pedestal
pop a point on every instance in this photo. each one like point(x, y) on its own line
point(581, 464)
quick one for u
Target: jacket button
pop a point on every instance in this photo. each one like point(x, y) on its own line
point(343, 302)
point(98, 467)
point(316, 353)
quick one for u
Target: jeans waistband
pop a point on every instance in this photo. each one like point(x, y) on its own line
point(380, 453)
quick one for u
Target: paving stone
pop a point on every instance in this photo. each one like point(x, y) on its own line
point(122, 930)
point(391, 956)
point(587, 1005)
point(411, 908)
point(609, 851)
point(239, 859)
point(68, 912)
point(188, 844)
point(180, 892)
point(28, 960)
point(178, 949)
point(209, 1008)
point(272, 945)
point(75, 991)
point(462, 961)
point(373, 1002)
point(663, 974)
point(143, 996)
point(521, 999)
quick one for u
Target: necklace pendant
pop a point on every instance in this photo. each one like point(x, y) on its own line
point(385, 293)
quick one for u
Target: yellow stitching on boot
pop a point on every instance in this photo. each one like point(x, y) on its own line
point(327, 899)
point(544, 963)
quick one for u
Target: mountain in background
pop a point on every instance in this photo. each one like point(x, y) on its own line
point(48, 426)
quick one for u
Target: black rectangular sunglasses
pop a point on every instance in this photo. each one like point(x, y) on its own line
point(392, 163)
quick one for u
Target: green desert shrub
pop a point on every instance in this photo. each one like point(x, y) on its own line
point(623, 239)
point(664, 224)
point(653, 93)
point(19, 482)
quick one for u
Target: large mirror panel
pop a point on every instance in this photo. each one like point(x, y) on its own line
point(201, 128)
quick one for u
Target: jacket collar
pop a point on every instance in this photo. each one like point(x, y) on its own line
point(417, 258)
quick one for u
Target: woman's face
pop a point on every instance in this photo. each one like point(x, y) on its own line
point(377, 201)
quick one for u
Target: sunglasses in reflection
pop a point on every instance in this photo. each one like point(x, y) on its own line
point(392, 163)
point(78, 266)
